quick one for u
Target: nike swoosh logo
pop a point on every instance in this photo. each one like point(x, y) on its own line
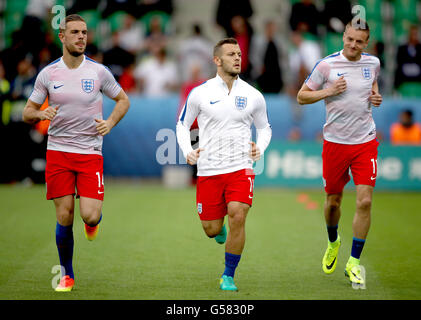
point(213, 102)
point(341, 74)
point(251, 197)
point(56, 87)
point(356, 276)
point(99, 192)
point(329, 266)
point(373, 178)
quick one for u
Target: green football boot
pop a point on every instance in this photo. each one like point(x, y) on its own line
point(330, 258)
point(227, 283)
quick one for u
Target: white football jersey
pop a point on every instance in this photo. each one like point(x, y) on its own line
point(348, 115)
point(78, 95)
point(224, 120)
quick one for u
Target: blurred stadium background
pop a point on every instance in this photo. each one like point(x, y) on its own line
point(158, 50)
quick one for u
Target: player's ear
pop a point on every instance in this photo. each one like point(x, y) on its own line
point(61, 35)
point(217, 60)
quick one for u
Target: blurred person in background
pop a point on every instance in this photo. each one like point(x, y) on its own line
point(131, 35)
point(243, 32)
point(305, 17)
point(155, 38)
point(157, 75)
point(33, 26)
point(116, 58)
point(303, 55)
point(408, 59)
point(266, 59)
point(22, 85)
point(6, 142)
point(406, 131)
point(227, 9)
point(193, 51)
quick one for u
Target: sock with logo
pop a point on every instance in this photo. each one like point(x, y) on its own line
point(357, 247)
point(231, 263)
point(65, 243)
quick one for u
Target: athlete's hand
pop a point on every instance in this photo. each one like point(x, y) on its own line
point(254, 152)
point(338, 87)
point(375, 98)
point(193, 156)
point(48, 113)
point(103, 126)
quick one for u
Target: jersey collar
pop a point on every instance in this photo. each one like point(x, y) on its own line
point(222, 83)
point(63, 65)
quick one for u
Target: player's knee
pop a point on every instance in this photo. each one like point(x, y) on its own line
point(91, 220)
point(364, 204)
point(90, 216)
point(333, 203)
point(237, 220)
point(211, 232)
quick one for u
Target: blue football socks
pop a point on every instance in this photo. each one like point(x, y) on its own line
point(65, 243)
point(357, 247)
point(231, 263)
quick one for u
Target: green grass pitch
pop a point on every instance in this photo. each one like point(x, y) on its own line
point(151, 246)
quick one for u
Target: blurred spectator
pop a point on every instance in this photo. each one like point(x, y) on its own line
point(117, 58)
point(227, 9)
point(266, 57)
point(336, 14)
point(33, 28)
point(12, 55)
point(156, 39)
point(22, 85)
point(49, 52)
point(196, 50)
point(92, 50)
point(303, 56)
point(304, 17)
point(157, 75)
point(405, 132)
point(243, 32)
point(4, 99)
point(409, 59)
point(131, 35)
point(127, 80)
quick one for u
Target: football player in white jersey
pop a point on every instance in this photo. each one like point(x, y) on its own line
point(74, 85)
point(225, 107)
point(347, 81)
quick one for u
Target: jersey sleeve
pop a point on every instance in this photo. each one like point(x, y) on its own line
point(187, 116)
point(318, 75)
point(377, 69)
point(40, 91)
point(109, 85)
point(263, 128)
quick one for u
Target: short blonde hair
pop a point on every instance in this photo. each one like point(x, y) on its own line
point(69, 18)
